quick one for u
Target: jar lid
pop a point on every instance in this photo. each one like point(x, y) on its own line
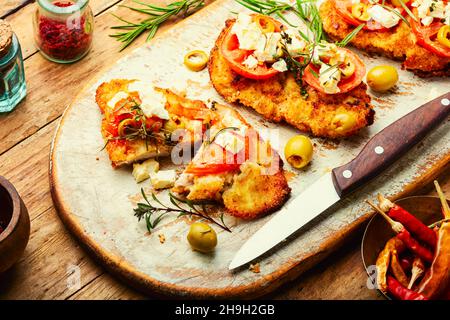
point(6, 35)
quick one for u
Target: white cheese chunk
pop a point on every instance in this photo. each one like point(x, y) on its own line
point(153, 102)
point(386, 18)
point(329, 78)
point(280, 65)
point(118, 96)
point(142, 171)
point(270, 50)
point(248, 33)
point(230, 141)
point(251, 62)
point(163, 179)
point(427, 10)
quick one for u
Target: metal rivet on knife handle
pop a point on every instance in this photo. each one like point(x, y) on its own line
point(396, 140)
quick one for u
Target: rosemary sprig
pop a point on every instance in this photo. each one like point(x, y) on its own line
point(209, 141)
point(158, 15)
point(350, 36)
point(153, 214)
point(141, 132)
point(405, 7)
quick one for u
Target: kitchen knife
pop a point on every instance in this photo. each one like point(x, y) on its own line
point(380, 152)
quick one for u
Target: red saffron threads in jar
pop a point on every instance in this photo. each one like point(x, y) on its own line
point(64, 39)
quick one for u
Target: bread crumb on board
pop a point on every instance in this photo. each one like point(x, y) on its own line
point(254, 268)
point(162, 238)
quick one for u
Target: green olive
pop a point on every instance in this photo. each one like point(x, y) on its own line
point(298, 151)
point(202, 237)
point(343, 122)
point(170, 126)
point(382, 78)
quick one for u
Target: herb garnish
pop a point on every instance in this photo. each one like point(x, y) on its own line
point(141, 132)
point(148, 212)
point(158, 15)
point(350, 36)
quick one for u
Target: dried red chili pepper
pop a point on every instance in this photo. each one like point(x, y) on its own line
point(417, 270)
point(383, 261)
point(406, 263)
point(418, 229)
point(436, 281)
point(405, 236)
point(413, 245)
point(400, 292)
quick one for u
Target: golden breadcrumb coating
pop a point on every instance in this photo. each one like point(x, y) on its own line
point(397, 43)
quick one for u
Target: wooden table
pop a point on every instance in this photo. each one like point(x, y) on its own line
point(25, 138)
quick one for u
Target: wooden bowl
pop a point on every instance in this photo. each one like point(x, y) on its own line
point(378, 231)
point(16, 224)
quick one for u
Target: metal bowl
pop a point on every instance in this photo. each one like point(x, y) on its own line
point(378, 231)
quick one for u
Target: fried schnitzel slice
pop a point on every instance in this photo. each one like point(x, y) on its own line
point(396, 43)
point(250, 185)
point(279, 99)
point(119, 104)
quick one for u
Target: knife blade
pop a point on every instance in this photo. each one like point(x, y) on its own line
point(379, 153)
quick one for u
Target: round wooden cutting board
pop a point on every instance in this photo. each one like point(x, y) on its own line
point(96, 202)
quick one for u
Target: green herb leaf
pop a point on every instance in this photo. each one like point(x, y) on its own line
point(147, 210)
point(350, 36)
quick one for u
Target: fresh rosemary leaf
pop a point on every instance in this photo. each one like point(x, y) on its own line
point(405, 7)
point(157, 16)
point(350, 36)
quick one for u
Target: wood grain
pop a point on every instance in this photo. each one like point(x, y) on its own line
point(45, 80)
point(10, 6)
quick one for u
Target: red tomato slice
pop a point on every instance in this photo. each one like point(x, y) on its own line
point(345, 85)
point(235, 56)
point(216, 159)
point(426, 37)
point(344, 9)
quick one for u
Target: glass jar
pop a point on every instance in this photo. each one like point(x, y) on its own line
point(12, 77)
point(63, 29)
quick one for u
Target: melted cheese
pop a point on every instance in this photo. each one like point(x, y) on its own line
point(386, 18)
point(153, 102)
point(230, 142)
point(118, 96)
point(329, 78)
point(248, 33)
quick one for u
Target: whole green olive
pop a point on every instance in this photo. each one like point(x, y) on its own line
point(382, 78)
point(298, 151)
point(202, 237)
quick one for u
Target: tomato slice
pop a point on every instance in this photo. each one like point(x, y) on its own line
point(426, 36)
point(344, 9)
point(235, 56)
point(345, 85)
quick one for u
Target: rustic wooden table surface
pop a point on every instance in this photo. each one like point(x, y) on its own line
point(25, 137)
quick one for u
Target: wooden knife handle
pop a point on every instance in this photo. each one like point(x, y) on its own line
point(389, 144)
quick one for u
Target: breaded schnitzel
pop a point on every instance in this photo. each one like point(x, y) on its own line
point(397, 43)
point(279, 99)
point(249, 184)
